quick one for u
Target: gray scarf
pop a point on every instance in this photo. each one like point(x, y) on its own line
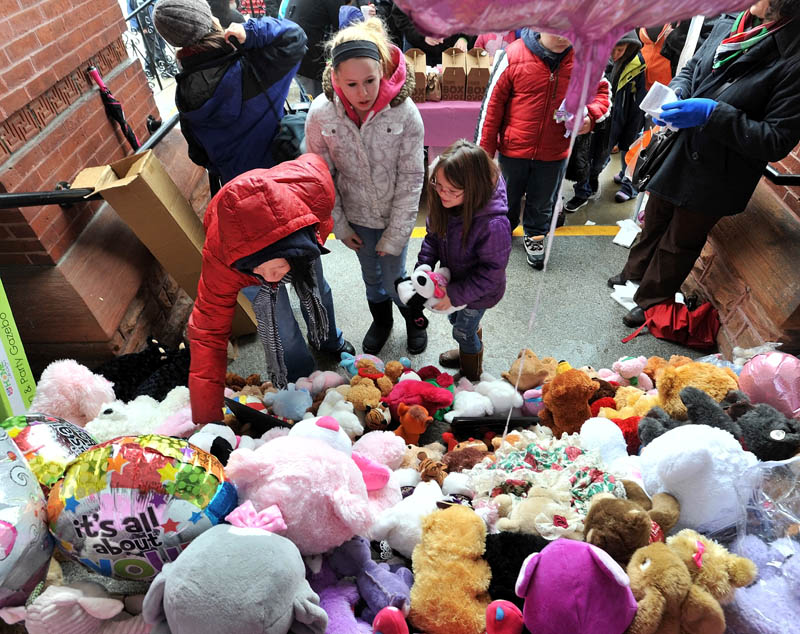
point(264, 307)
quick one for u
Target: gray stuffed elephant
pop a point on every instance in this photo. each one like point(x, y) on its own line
point(232, 579)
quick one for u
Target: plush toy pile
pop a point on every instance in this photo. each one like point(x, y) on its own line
point(330, 506)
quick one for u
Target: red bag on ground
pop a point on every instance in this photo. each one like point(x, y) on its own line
point(674, 322)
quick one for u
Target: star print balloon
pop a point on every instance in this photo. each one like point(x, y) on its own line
point(25, 544)
point(128, 506)
point(48, 443)
point(593, 26)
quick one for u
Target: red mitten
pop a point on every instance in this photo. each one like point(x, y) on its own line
point(503, 617)
point(390, 620)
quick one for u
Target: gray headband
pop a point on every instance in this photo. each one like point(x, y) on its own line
point(355, 48)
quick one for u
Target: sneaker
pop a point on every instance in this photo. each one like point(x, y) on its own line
point(534, 250)
point(575, 203)
point(622, 197)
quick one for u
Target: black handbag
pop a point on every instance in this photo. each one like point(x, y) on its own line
point(652, 157)
point(290, 139)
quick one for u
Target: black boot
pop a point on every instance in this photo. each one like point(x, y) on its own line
point(380, 328)
point(416, 334)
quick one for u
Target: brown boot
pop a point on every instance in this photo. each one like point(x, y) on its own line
point(472, 365)
point(451, 359)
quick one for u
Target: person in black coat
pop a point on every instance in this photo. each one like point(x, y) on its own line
point(432, 47)
point(739, 110)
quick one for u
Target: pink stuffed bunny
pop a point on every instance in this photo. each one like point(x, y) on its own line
point(628, 371)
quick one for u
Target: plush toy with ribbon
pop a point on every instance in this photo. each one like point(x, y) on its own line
point(424, 289)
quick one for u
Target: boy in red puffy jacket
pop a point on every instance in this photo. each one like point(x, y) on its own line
point(528, 84)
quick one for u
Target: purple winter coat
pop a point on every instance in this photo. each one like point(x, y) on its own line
point(478, 269)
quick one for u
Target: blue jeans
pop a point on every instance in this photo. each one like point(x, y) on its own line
point(626, 185)
point(540, 181)
point(465, 329)
point(296, 355)
point(379, 272)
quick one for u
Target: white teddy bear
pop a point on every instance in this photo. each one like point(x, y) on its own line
point(335, 405)
point(501, 393)
point(470, 404)
point(138, 417)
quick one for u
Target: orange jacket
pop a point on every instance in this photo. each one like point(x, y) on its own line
point(250, 212)
point(657, 66)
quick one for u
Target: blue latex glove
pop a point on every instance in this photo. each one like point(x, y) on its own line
point(679, 95)
point(687, 113)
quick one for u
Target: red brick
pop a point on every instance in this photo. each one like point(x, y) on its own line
point(44, 57)
point(59, 248)
point(44, 218)
point(23, 22)
point(55, 8)
point(52, 30)
point(12, 102)
point(19, 74)
point(40, 259)
point(23, 46)
point(14, 259)
point(792, 200)
point(790, 165)
point(21, 231)
point(19, 246)
point(8, 216)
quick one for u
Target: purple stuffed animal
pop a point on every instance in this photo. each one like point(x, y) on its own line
point(378, 585)
point(574, 587)
point(338, 598)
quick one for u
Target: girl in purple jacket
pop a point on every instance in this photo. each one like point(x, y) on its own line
point(469, 233)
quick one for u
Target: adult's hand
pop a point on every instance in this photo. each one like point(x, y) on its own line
point(461, 44)
point(687, 113)
point(586, 125)
point(353, 242)
point(433, 41)
point(235, 30)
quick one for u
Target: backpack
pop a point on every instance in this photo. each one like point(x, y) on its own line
point(675, 322)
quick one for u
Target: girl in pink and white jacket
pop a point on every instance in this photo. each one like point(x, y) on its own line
point(371, 134)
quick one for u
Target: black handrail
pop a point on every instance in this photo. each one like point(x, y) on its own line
point(71, 196)
point(788, 180)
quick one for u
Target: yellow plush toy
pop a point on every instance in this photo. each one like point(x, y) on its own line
point(451, 578)
point(631, 401)
point(713, 380)
point(711, 566)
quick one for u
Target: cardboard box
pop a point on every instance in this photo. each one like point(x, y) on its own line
point(479, 64)
point(454, 75)
point(416, 62)
point(145, 197)
point(18, 386)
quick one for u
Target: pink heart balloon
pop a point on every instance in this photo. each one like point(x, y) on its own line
point(593, 26)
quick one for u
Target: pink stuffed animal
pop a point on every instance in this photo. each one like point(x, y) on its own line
point(412, 392)
point(71, 391)
point(319, 490)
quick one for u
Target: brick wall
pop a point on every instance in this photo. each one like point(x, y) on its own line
point(790, 196)
point(52, 120)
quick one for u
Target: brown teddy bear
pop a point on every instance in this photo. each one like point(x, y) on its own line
point(711, 566)
point(431, 469)
point(411, 460)
point(363, 393)
point(668, 601)
point(414, 420)
point(367, 370)
point(713, 380)
point(566, 402)
point(532, 370)
point(450, 556)
point(621, 526)
point(394, 370)
point(464, 459)
point(377, 418)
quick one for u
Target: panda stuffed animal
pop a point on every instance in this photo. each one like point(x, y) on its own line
point(424, 289)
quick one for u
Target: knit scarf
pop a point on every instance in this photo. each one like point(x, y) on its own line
point(264, 308)
point(747, 31)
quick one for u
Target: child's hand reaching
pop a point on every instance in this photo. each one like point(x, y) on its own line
point(235, 30)
point(353, 242)
point(445, 304)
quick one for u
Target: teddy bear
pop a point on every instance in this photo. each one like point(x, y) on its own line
point(468, 403)
point(320, 491)
point(457, 461)
point(711, 566)
point(71, 391)
point(384, 447)
point(377, 418)
point(432, 470)
point(702, 467)
point(502, 394)
point(414, 420)
point(620, 526)
point(538, 506)
point(335, 405)
point(630, 401)
point(339, 599)
point(363, 393)
point(628, 371)
point(668, 601)
point(366, 369)
point(424, 288)
point(290, 403)
point(766, 431)
point(434, 451)
point(528, 371)
point(450, 555)
point(655, 363)
point(395, 369)
point(401, 525)
point(574, 587)
point(566, 402)
point(713, 380)
point(348, 362)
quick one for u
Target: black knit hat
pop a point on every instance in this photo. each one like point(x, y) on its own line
point(183, 22)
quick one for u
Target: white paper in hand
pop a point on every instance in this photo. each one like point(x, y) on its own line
point(657, 96)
